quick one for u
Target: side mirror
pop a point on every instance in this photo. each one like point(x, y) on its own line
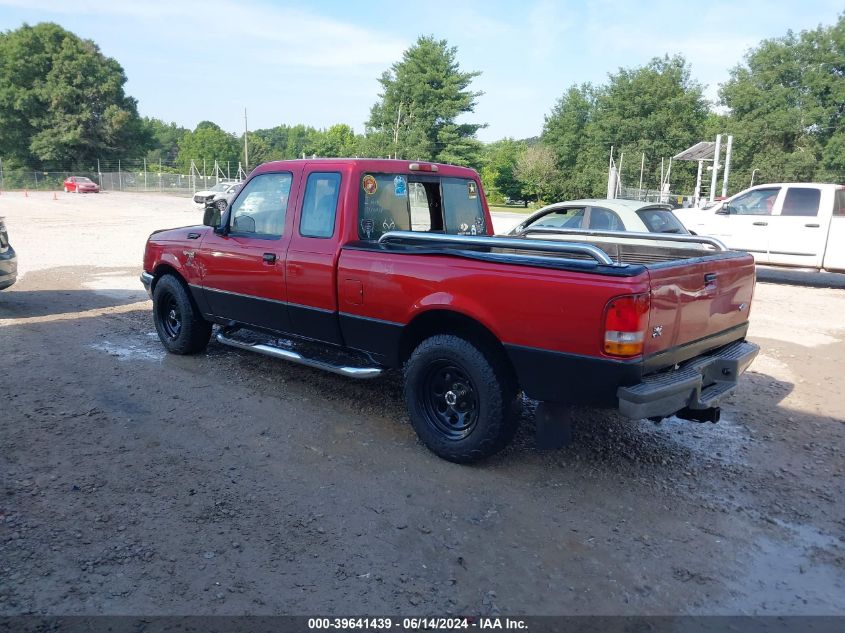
point(211, 216)
point(725, 209)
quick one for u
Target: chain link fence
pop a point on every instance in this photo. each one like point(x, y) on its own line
point(677, 200)
point(141, 178)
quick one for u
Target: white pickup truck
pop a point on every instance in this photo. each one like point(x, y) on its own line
point(785, 224)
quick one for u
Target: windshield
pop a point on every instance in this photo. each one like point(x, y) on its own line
point(82, 179)
point(221, 186)
point(661, 221)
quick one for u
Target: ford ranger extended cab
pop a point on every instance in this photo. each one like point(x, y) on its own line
point(357, 266)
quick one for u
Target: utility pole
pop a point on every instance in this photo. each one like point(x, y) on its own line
point(396, 133)
point(642, 166)
point(246, 145)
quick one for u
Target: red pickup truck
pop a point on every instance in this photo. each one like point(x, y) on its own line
point(357, 266)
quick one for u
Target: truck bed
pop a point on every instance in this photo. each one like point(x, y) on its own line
point(603, 248)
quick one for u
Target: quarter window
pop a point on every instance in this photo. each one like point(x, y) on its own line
point(262, 205)
point(319, 207)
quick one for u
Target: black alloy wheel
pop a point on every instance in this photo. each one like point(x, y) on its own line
point(450, 400)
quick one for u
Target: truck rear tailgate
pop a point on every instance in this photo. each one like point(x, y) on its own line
point(696, 301)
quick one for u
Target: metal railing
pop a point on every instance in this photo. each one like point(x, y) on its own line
point(569, 248)
point(626, 235)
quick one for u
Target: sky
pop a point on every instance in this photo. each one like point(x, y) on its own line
point(318, 63)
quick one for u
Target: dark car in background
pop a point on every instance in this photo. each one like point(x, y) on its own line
point(8, 259)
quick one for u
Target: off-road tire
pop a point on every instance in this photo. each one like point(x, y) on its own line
point(480, 420)
point(180, 327)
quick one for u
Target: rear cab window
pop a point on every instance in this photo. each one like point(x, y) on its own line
point(418, 202)
point(661, 221)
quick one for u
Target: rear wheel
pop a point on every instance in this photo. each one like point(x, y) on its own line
point(180, 327)
point(459, 398)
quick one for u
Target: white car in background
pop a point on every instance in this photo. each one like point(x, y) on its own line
point(784, 224)
point(603, 221)
point(222, 189)
point(596, 214)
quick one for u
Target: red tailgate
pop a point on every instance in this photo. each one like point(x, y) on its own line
point(692, 300)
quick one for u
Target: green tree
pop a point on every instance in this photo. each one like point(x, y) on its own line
point(259, 149)
point(785, 107)
point(165, 139)
point(536, 171)
point(498, 171)
point(62, 101)
point(422, 97)
point(337, 141)
point(656, 109)
point(210, 143)
point(565, 133)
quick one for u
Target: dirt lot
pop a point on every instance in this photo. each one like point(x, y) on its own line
point(141, 483)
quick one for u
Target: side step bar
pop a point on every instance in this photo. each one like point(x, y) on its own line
point(294, 357)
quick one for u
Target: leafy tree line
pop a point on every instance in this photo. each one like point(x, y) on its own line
point(784, 105)
point(63, 105)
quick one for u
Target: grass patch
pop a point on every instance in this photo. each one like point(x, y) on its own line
point(513, 208)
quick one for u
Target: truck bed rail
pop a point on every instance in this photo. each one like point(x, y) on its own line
point(411, 238)
point(657, 237)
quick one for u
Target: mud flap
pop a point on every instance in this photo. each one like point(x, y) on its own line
point(554, 426)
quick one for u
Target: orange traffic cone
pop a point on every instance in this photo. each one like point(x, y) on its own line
point(55, 197)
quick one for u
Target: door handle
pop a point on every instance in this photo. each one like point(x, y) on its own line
point(709, 278)
point(761, 224)
point(193, 236)
point(269, 258)
point(812, 226)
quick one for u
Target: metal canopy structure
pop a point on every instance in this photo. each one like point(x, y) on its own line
point(708, 152)
point(705, 150)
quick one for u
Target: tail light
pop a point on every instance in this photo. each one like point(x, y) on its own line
point(625, 322)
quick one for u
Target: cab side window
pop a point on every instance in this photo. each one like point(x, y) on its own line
point(262, 205)
point(319, 207)
point(605, 220)
point(757, 202)
point(801, 201)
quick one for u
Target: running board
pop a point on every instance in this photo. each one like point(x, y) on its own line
point(295, 357)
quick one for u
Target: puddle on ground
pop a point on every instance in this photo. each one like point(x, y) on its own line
point(799, 575)
point(130, 351)
point(117, 285)
point(725, 441)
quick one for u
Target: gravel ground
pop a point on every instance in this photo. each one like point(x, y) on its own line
point(228, 483)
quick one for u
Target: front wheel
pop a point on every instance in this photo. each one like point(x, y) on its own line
point(459, 398)
point(180, 327)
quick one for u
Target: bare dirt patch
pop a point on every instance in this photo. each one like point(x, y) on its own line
point(135, 482)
